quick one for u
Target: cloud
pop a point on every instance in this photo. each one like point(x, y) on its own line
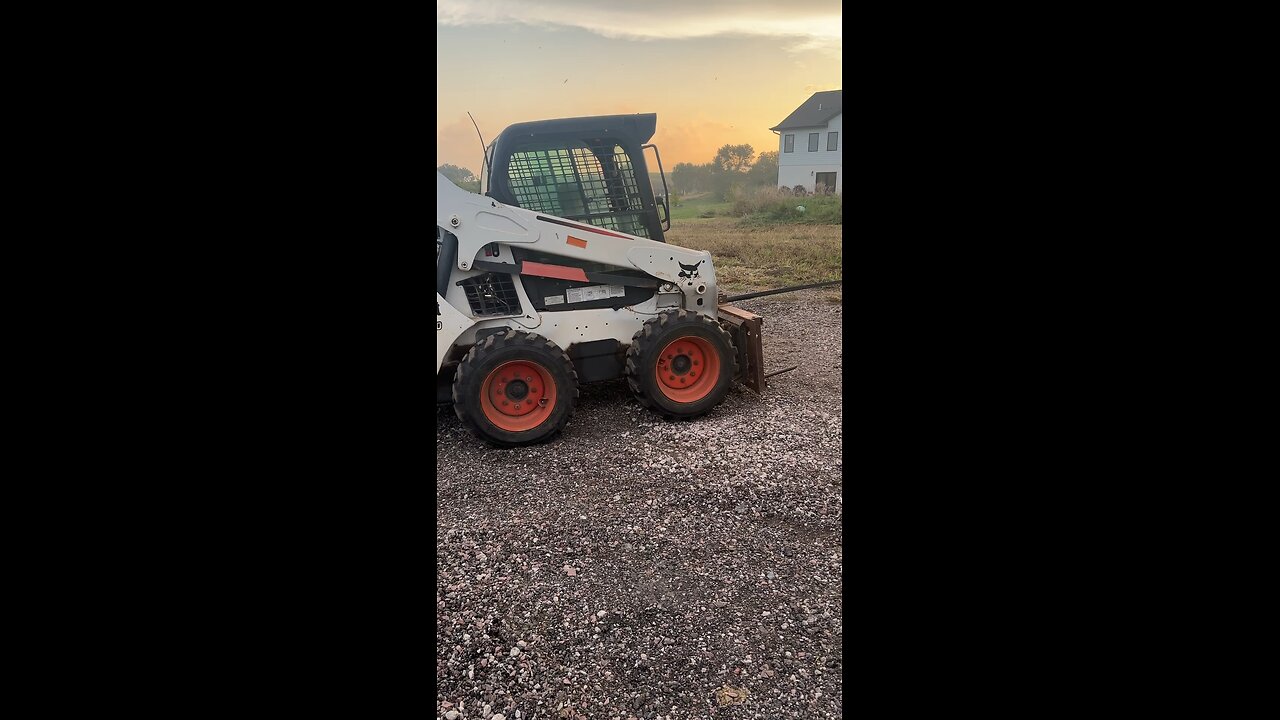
point(807, 25)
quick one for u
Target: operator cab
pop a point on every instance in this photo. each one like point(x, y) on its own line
point(589, 169)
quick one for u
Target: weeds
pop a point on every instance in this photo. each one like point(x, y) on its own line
point(771, 206)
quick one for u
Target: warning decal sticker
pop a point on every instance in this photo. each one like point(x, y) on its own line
point(594, 292)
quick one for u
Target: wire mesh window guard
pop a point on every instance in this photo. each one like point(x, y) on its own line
point(595, 184)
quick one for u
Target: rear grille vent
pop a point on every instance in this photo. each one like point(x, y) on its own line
point(492, 294)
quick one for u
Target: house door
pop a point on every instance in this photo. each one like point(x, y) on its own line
point(824, 179)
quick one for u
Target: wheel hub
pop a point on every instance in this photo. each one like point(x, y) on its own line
point(680, 364)
point(517, 390)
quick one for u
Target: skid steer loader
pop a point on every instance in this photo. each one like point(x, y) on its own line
point(559, 274)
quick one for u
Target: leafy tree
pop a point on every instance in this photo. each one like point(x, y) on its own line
point(765, 171)
point(461, 177)
point(682, 176)
point(456, 174)
point(735, 158)
point(689, 178)
point(730, 171)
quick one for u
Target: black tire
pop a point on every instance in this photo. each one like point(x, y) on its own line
point(527, 353)
point(659, 334)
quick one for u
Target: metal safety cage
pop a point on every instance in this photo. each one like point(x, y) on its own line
point(594, 184)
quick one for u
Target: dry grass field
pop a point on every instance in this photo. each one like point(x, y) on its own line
point(755, 257)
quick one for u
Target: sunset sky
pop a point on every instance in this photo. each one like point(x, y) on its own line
point(715, 71)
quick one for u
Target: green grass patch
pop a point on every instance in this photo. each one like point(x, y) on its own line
point(692, 207)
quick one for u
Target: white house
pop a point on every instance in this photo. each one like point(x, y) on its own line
point(809, 144)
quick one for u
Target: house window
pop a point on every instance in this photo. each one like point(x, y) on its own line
point(825, 181)
point(788, 143)
point(833, 140)
point(813, 142)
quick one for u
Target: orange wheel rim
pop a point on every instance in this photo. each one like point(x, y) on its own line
point(687, 369)
point(518, 396)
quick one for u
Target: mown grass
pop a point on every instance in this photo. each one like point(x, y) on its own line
point(692, 207)
point(751, 256)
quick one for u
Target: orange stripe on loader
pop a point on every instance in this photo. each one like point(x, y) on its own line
point(558, 272)
point(576, 242)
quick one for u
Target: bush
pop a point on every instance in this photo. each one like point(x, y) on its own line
point(800, 191)
point(777, 205)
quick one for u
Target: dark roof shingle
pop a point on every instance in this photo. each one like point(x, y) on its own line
point(808, 114)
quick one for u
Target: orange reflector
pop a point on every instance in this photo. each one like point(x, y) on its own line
point(577, 242)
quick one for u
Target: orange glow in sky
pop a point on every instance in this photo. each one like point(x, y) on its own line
point(715, 72)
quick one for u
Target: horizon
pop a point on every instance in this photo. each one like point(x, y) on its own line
point(714, 72)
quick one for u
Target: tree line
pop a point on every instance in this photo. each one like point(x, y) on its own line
point(733, 167)
point(461, 177)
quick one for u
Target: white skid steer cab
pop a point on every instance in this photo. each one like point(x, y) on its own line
point(559, 274)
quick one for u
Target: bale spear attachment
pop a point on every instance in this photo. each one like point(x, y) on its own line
point(746, 328)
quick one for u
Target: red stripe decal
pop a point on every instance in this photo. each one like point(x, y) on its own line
point(558, 272)
point(586, 228)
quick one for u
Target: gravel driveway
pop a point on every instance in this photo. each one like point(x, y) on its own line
point(637, 568)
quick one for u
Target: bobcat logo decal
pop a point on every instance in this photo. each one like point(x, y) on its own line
point(690, 271)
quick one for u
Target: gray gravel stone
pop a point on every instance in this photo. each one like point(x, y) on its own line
point(716, 522)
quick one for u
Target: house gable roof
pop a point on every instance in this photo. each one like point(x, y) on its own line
point(808, 114)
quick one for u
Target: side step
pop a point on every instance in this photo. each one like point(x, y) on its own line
point(745, 328)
